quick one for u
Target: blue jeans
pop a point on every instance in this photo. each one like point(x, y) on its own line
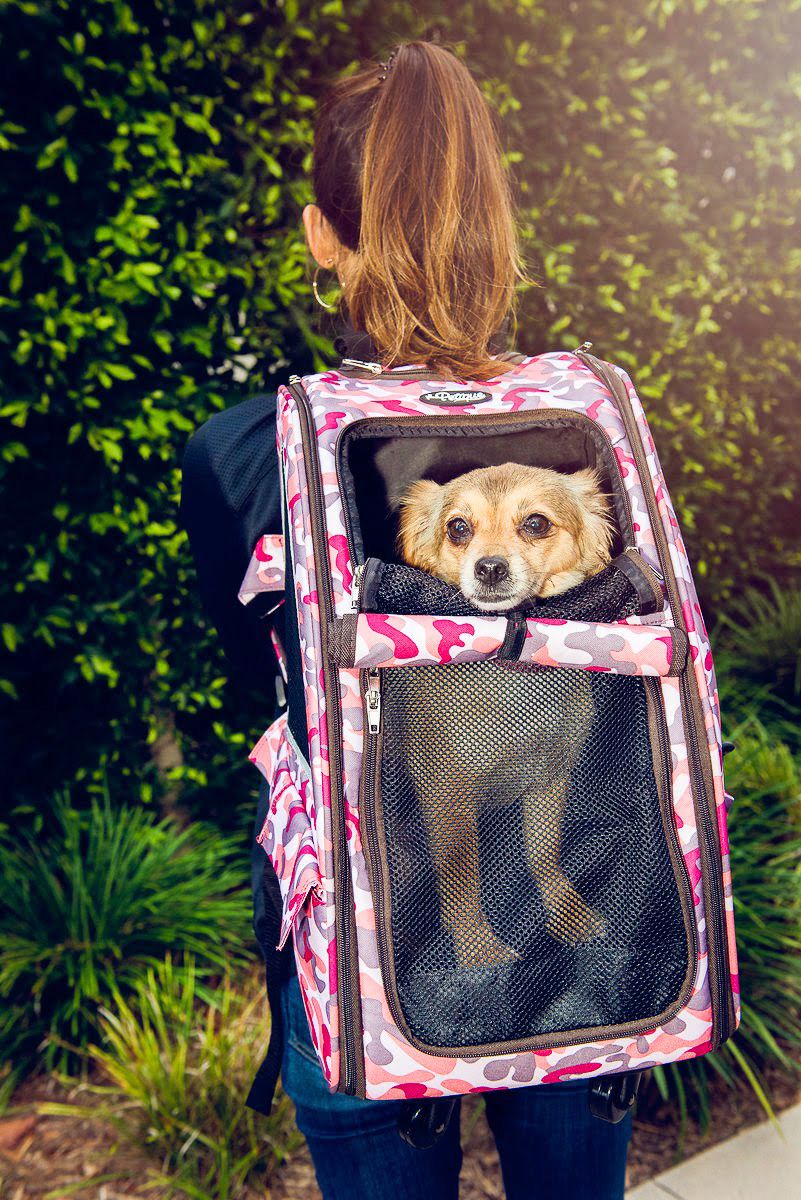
point(550, 1145)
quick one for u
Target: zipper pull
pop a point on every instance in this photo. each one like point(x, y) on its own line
point(373, 697)
point(372, 367)
point(585, 346)
point(294, 378)
point(356, 587)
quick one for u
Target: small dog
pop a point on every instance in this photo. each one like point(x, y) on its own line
point(504, 535)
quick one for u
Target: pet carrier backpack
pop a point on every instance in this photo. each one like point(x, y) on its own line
point(501, 840)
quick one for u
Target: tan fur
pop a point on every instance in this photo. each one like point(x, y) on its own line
point(494, 501)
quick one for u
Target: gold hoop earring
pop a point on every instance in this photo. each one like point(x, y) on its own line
point(316, 290)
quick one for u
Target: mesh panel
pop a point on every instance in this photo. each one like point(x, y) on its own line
point(395, 588)
point(526, 869)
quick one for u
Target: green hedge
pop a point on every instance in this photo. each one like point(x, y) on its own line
point(153, 161)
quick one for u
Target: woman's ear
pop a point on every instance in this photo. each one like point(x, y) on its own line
point(323, 243)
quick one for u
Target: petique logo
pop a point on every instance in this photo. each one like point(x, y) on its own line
point(455, 398)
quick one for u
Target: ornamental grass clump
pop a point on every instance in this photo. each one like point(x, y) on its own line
point(90, 901)
point(176, 1062)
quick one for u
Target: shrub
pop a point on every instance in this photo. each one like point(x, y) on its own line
point(758, 661)
point(178, 1068)
point(93, 899)
point(146, 150)
point(762, 633)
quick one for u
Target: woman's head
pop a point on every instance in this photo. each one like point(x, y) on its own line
point(414, 211)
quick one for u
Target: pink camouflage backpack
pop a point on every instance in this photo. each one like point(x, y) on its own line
point(502, 848)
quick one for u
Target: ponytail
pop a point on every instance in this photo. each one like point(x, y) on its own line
point(414, 183)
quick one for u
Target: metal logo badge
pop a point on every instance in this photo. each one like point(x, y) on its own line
point(455, 399)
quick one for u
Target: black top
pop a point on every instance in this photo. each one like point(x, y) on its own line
point(230, 497)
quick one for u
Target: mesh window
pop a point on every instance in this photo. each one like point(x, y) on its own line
point(525, 885)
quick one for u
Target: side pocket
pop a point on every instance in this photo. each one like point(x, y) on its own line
point(287, 835)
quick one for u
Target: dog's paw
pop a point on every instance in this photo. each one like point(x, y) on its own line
point(576, 924)
point(479, 946)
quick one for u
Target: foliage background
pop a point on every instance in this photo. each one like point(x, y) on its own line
point(154, 158)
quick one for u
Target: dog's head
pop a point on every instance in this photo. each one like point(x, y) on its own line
point(505, 534)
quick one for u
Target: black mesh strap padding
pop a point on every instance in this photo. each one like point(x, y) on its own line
point(395, 588)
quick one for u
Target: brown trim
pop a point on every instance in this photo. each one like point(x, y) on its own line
point(660, 738)
point(680, 650)
point(632, 553)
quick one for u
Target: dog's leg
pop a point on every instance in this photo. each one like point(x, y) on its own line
point(570, 917)
point(452, 828)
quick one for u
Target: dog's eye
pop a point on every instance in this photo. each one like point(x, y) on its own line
point(458, 530)
point(536, 525)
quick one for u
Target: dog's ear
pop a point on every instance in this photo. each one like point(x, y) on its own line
point(597, 532)
point(418, 530)
point(589, 486)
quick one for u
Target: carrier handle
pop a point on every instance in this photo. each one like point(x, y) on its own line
point(366, 640)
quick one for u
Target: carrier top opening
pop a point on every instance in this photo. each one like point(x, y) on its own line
point(377, 460)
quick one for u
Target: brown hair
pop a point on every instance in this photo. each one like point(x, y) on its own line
point(407, 170)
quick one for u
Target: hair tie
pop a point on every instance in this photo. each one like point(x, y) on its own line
point(385, 66)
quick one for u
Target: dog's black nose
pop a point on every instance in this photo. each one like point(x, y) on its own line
point(491, 570)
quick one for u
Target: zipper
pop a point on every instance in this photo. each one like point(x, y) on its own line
point(344, 921)
point(355, 592)
point(477, 420)
point(718, 961)
point(368, 804)
point(357, 364)
point(378, 869)
point(413, 371)
point(372, 696)
point(373, 367)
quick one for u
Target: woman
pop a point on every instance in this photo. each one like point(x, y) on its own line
point(413, 213)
